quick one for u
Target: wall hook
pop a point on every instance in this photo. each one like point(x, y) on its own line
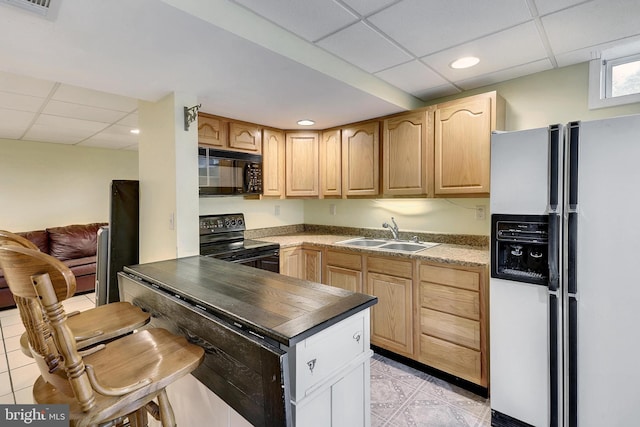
point(190, 115)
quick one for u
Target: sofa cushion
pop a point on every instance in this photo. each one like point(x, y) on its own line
point(39, 237)
point(81, 266)
point(73, 241)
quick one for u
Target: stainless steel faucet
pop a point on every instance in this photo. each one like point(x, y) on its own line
point(393, 228)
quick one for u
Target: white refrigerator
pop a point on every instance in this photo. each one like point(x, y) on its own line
point(566, 352)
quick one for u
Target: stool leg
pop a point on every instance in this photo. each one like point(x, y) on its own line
point(166, 412)
point(139, 418)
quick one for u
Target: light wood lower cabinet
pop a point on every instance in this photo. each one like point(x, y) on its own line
point(303, 262)
point(344, 270)
point(392, 317)
point(453, 321)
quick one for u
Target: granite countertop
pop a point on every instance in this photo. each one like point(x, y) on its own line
point(443, 253)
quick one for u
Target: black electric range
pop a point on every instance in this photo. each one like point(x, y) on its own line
point(222, 237)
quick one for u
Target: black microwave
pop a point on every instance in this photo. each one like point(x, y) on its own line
point(228, 173)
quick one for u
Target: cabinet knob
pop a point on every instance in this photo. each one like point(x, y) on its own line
point(311, 364)
point(357, 337)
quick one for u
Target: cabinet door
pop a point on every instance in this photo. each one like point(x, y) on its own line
point(462, 145)
point(273, 163)
point(245, 137)
point(291, 262)
point(351, 280)
point(407, 153)
point(331, 163)
point(212, 131)
point(391, 317)
point(302, 178)
point(312, 264)
point(361, 160)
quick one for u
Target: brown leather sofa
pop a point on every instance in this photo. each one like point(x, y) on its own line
point(75, 245)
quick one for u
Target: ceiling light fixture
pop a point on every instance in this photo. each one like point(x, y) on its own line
point(135, 131)
point(466, 62)
point(306, 122)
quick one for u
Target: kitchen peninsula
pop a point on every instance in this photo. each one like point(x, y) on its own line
point(279, 350)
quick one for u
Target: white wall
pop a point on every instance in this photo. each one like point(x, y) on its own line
point(48, 185)
point(257, 213)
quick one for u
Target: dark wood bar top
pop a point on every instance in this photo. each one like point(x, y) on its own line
point(283, 308)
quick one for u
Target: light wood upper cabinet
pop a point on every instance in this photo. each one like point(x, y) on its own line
point(212, 131)
point(302, 177)
point(462, 143)
point(407, 154)
point(273, 154)
point(245, 137)
point(330, 163)
point(361, 159)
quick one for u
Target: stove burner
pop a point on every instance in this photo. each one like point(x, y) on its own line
point(222, 237)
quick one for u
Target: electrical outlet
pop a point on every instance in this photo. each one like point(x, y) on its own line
point(481, 212)
point(332, 209)
point(276, 210)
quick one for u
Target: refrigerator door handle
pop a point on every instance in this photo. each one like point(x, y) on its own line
point(554, 251)
point(554, 166)
point(554, 362)
point(572, 339)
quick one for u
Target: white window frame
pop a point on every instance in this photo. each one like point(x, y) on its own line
point(600, 83)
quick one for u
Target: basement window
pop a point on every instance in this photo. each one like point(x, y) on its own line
point(614, 81)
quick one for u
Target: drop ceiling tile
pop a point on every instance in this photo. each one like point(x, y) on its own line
point(57, 135)
point(78, 95)
point(15, 101)
point(592, 24)
point(366, 7)
point(509, 48)
point(427, 26)
point(24, 85)
point(363, 47)
point(413, 77)
point(548, 6)
point(504, 75)
point(116, 137)
point(131, 120)
point(84, 127)
point(310, 20)
point(14, 123)
point(83, 112)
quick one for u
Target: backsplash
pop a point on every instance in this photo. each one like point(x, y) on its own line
point(452, 239)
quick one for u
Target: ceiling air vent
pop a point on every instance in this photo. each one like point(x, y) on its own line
point(45, 8)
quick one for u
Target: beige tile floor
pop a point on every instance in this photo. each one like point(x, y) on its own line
point(400, 395)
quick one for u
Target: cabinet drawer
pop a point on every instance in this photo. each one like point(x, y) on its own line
point(391, 267)
point(451, 328)
point(451, 358)
point(318, 357)
point(450, 300)
point(344, 260)
point(450, 276)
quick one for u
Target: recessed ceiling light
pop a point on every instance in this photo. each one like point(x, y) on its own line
point(306, 122)
point(466, 62)
point(135, 131)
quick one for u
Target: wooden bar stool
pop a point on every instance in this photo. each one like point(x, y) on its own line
point(90, 327)
point(116, 380)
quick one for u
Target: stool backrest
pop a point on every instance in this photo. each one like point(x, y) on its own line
point(23, 268)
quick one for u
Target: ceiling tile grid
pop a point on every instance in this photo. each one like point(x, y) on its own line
point(405, 46)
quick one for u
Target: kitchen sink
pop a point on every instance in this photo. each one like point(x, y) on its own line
point(387, 245)
point(402, 246)
point(363, 241)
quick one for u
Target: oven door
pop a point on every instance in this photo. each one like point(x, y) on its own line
point(267, 260)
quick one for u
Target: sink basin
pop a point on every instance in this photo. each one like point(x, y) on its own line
point(402, 246)
point(387, 245)
point(363, 241)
